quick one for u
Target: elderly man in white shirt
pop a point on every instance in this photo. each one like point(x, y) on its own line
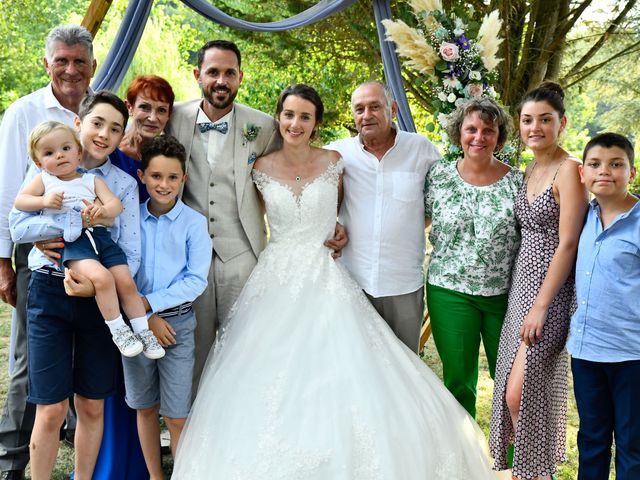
point(70, 65)
point(383, 210)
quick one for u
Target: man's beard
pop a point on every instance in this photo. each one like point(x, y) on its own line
point(209, 96)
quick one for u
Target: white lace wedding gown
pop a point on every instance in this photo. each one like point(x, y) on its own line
point(308, 382)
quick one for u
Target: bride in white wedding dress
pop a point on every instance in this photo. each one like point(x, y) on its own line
point(308, 381)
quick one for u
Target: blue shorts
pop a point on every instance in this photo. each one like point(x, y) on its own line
point(105, 250)
point(166, 381)
point(69, 347)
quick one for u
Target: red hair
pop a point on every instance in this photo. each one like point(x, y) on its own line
point(152, 86)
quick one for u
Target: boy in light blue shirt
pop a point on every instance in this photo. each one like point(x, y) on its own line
point(176, 254)
point(604, 339)
point(70, 350)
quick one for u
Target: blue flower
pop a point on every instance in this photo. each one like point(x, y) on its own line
point(463, 41)
point(252, 158)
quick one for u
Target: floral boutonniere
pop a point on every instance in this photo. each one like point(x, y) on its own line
point(250, 132)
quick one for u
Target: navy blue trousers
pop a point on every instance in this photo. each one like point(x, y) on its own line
point(608, 399)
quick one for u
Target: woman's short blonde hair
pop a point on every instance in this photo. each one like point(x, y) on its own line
point(489, 111)
point(45, 128)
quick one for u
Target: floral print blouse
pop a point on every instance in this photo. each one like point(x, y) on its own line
point(474, 233)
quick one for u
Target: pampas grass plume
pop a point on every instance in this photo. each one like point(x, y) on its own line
point(425, 5)
point(489, 41)
point(412, 45)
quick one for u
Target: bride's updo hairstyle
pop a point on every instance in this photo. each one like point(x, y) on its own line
point(306, 92)
point(549, 92)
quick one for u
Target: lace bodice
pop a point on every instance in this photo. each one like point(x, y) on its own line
point(308, 382)
point(304, 217)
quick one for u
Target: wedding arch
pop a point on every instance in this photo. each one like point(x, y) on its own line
point(115, 65)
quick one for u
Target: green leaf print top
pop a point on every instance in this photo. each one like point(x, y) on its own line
point(474, 232)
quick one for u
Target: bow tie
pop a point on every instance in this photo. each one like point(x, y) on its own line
point(222, 127)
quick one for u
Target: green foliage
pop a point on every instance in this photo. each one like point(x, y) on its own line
point(634, 187)
point(581, 113)
point(610, 87)
point(24, 25)
point(167, 61)
point(333, 55)
point(327, 55)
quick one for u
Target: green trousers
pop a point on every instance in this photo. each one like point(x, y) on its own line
point(458, 322)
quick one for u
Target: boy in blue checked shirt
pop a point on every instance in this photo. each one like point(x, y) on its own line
point(176, 254)
point(70, 350)
point(605, 329)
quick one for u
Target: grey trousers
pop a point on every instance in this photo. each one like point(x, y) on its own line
point(18, 415)
point(226, 280)
point(404, 314)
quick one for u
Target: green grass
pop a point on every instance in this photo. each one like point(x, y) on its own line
point(566, 471)
point(64, 463)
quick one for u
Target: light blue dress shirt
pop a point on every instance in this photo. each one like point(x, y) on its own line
point(176, 254)
point(606, 324)
point(31, 227)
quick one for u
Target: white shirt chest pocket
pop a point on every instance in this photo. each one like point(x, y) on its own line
point(407, 186)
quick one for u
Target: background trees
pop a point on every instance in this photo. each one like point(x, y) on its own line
point(590, 47)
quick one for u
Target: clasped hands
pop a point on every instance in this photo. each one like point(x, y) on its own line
point(338, 242)
point(92, 214)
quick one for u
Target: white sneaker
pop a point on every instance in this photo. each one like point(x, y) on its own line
point(151, 348)
point(127, 342)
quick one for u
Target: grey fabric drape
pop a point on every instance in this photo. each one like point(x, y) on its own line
point(392, 71)
point(318, 12)
point(124, 46)
point(121, 53)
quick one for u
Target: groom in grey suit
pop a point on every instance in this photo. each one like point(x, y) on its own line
point(222, 140)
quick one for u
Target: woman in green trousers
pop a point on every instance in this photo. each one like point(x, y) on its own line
point(475, 239)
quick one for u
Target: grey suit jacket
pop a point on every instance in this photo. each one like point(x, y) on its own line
point(182, 125)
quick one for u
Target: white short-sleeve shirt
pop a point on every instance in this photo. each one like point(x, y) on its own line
point(383, 212)
point(18, 121)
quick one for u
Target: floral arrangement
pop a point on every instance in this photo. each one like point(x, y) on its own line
point(250, 132)
point(454, 53)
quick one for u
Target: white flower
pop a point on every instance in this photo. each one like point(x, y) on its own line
point(444, 137)
point(459, 27)
point(475, 75)
point(442, 120)
point(459, 102)
point(442, 96)
point(491, 92)
point(452, 97)
point(451, 83)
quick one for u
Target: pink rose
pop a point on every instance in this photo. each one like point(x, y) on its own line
point(474, 89)
point(449, 52)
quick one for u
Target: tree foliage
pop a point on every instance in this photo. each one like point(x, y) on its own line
point(558, 39)
point(537, 37)
point(24, 25)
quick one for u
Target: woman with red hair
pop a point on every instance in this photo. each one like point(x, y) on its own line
point(150, 102)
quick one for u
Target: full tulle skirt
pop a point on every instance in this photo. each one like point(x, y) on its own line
point(309, 382)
